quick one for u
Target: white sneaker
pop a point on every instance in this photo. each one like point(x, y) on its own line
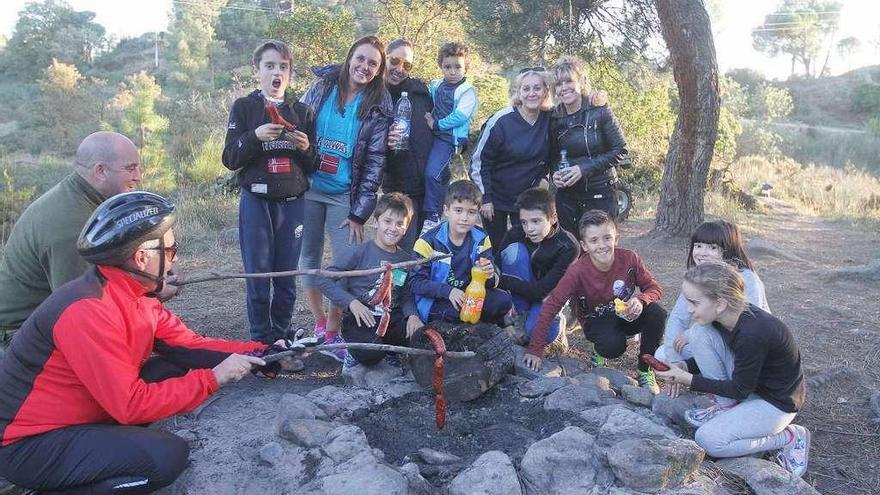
point(795, 456)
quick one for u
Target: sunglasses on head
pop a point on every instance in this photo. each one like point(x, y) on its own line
point(407, 65)
point(532, 69)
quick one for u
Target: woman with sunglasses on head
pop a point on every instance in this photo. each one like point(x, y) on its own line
point(405, 171)
point(593, 143)
point(512, 154)
point(353, 111)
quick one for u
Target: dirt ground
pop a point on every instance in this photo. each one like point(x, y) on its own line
point(836, 322)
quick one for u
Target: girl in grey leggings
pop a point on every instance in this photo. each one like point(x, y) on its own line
point(750, 362)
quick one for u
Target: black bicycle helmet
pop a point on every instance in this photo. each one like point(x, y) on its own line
point(122, 223)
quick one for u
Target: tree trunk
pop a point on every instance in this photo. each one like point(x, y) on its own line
point(688, 35)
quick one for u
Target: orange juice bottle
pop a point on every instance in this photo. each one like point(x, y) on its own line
point(474, 294)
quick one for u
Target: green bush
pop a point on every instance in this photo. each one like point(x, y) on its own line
point(866, 98)
point(205, 165)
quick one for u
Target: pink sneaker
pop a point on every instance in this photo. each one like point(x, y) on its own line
point(796, 453)
point(339, 353)
point(320, 329)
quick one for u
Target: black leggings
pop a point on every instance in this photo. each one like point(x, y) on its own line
point(394, 335)
point(497, 228)
point(100, 458)
point(570, 207)
point(95, 458)
point(608, 332)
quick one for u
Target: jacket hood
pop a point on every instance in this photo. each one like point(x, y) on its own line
point(330, 71)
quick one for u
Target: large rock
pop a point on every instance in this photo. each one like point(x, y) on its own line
point(766, 478)
point(270, 454)
point(338, 401)
point(437, 458)
point(465, 379)
point(345, 442)
point(637, 395)
point(549, 367)
point(295, 406)
point(597, 416)
point(703, 485)
point(673, 409)
point(417, 484)
point(541, 386)
point(616, 378)
point(491, 474)
point(588, 391)
point(305, 432)
point(382, 377)
point(653, 465)
point(566, 462)
point(624, 424)
point(361, 475)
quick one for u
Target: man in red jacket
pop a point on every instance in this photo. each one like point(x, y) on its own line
point(79, 376)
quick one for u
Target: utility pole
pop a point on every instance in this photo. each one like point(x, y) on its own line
point(156, 51)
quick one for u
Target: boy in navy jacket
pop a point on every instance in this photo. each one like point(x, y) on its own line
point(439, 286)
point(272, 164)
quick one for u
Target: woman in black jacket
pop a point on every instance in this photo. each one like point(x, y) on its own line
point(353, 111)
point(593, 142)
point(405, 171)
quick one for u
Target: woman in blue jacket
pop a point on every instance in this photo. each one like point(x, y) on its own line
point(353, 111)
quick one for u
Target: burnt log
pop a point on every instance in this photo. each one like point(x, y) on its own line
point(468, 378)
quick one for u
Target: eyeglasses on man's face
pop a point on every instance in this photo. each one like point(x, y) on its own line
point(170, 251)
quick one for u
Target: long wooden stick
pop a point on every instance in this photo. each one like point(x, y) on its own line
point(367, 346)
point(318, 272)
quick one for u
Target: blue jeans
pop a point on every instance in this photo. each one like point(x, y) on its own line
point(495, 306)
point(437, 176)
point(515, 261)
point(269, 243)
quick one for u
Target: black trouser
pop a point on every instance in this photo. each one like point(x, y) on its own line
point(570, 206)
point(608, 332)
point(497, 227)
point(394, 335)
point(95, 458)
point(100, 458)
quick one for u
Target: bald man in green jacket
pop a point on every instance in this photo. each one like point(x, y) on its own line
point(40, 254)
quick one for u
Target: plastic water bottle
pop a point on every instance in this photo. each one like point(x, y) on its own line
point(563, 159)
point(402, 121)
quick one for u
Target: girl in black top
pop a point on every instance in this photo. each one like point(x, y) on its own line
point(747, 355)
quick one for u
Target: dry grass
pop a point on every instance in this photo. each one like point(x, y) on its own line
point(825, 191)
